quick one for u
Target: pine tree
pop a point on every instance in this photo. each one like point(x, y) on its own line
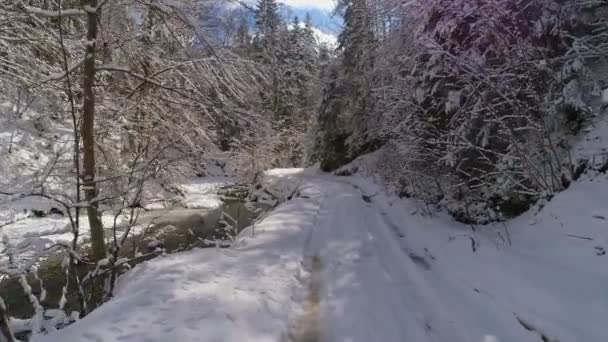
point(347, 101)
point(308, 21)
point(296, 27)
point(310, 43)
point(243, 38)
point(357, 40)
point(290, 54)
point(268, 24)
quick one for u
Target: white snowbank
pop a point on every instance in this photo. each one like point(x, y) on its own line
point(278, 185)
point(246, 293)
point(201, 193)
point(551, 277)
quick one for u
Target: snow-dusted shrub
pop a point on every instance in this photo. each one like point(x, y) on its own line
point(494, 92)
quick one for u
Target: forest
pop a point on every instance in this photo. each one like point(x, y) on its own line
point(117, 113)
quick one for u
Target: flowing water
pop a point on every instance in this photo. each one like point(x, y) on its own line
point(170, 229)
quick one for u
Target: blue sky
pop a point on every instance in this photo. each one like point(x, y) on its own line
point(322, 4)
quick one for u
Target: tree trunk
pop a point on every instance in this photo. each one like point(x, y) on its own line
point(88, 137)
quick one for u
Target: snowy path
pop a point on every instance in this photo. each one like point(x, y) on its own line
point(337, 263)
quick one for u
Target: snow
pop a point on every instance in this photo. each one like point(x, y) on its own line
point(323, 38)
point(29, 143)
point(453, 101)
point(343, 261)
point(245, 293)
point(28, 239)
point(593, 144)
point(34, 142)
point(324, 4)
point(545, 277)
point(201, 193)
point(63, 13)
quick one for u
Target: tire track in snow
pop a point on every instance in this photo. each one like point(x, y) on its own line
point(306, 327)
point(408, 286)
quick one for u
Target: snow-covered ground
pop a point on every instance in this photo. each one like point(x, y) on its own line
point(342, 261)
point(245, 293)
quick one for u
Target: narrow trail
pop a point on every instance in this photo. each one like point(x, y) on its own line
point(306, 327)
point(363, 280)
point(367, 269)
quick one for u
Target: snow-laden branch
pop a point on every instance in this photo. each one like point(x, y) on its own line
point(74, 12)
point(244, 5)
point(71, 12)
point(126, 70)
point(59, 76)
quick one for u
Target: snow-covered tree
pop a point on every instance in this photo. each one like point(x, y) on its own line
point(289, 53)
point(268, 24)
point(145, 93)
point(474, 101)
point(345, 113)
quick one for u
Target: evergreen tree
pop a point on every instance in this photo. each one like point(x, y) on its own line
point(268, 24)
point(243, 38)
point(308, 21)
point(309, 41)
point(290, 56)
point(357, 41)
point(296, 26)
point(347, 101)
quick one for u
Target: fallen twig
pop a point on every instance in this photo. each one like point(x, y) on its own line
point(580, 237)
